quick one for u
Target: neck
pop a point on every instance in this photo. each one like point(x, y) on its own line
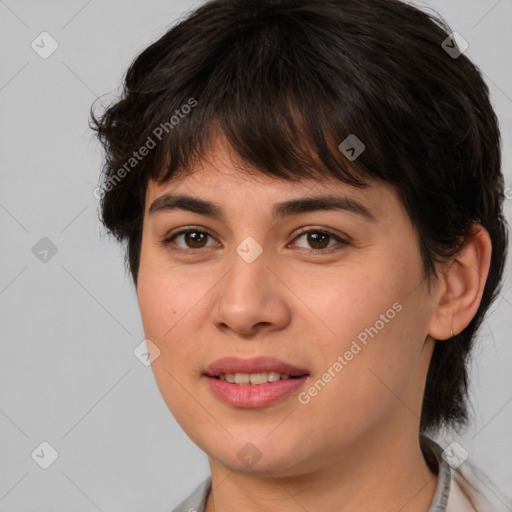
point(369, 474)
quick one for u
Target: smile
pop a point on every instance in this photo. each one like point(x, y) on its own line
point(253, 378)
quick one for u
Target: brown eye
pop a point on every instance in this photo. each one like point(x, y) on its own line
point(193, 239)
point(319, 241)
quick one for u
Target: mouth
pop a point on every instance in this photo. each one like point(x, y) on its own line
point(257, 370)
point(256, 382)
point(254, 379)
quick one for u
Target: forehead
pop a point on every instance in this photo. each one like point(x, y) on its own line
point(222, 177)
point(218, 181)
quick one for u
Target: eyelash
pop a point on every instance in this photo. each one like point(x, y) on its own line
point(166, 242)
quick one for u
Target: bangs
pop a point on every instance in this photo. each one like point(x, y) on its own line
point(283, 146)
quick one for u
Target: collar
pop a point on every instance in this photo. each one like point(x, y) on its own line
point(433, 456)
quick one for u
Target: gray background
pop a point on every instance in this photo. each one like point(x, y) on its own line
point(69, 325)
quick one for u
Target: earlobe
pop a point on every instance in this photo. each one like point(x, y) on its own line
point(463, 282)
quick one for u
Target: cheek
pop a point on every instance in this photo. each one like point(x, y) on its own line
point(165, 303)
point(156, 307)
point(340, 303)
point(372, 318)
point(165, 306)
point(164, 296)
point(172, 307)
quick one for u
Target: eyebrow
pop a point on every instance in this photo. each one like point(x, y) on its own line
point(169, 202)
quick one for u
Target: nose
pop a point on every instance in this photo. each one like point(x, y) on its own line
point(251, 298)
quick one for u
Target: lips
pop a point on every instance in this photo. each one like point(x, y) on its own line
point(233, 365)
point(253, 383)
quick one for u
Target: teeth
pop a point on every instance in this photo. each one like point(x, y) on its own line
point(242, 378)
point(257, 378)
point(273, 376)
point(253, 378)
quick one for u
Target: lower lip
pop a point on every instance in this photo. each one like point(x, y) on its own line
point(254, 395)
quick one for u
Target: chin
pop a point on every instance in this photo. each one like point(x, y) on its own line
point(254, 454)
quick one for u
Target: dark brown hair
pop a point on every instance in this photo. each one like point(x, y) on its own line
point(287, 81)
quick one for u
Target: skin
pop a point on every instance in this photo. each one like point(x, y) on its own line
point(355, 445)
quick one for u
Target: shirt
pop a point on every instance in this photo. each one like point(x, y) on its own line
point(456, 490)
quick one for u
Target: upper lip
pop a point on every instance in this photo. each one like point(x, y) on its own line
point(253, 365)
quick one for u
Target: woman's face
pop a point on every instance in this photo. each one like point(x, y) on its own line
point(339, 321)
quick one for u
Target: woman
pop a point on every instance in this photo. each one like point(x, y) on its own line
point(311, 196)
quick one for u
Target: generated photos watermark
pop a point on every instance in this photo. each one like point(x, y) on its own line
point(355, 348)
point(150, 143)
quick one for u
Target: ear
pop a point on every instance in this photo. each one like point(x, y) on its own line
point(462, 285)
